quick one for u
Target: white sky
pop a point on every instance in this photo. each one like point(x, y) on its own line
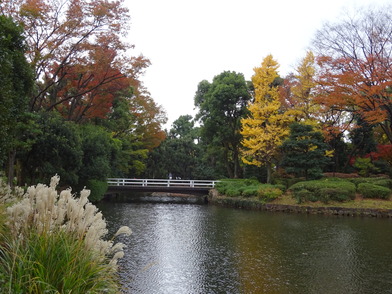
point(188, 41)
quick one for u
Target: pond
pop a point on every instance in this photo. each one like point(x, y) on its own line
point(194, 248)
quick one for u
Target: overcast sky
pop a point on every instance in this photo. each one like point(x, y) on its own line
point(188, 41)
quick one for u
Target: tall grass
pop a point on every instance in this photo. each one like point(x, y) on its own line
point(54, 263)
point(54, 243)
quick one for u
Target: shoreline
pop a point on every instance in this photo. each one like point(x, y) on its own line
point(243, 203)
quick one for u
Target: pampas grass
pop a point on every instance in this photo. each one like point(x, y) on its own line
point(55, 243)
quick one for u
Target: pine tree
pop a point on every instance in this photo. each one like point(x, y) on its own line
point(304, 151)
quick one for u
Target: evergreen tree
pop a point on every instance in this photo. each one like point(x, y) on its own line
point(222, 104)
point(304, 152)
point(16, 80)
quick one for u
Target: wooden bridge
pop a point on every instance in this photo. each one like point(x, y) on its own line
point(160, 185)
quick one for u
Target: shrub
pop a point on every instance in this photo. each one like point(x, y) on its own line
point(98, 189)
point(232, 191)
point(251, 191)
point(237, 187)
point(358, 181)
point(268, 193)
point(369, 190)
point(249, 188)
point(364, 166)
point(334, 194)
point(384, 183)
point(324, 190)
point(304, 195)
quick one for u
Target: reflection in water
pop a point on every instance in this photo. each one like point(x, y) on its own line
point(179, 248)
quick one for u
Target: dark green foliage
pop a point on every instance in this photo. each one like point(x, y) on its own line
point(16, 81)
point(179, 154)
point(323, 190)
point(98, 190)
point(56, 151)
point(222, 104)
point(131, 152)
point(334, 194)
point(304, 152)
point(338, 162)
point(99, 151)
point(362, 138)
point(369, 190)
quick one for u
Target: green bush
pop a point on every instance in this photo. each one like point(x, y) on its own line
point(369, 190)
point(232, 191)
point(323, 190)
point(269, 193)
point(384, 183)
point(333, 194)
point(358, 181)
point(238, 187)
point(251, 191)
point(304, 195)
point(98, 190)
point(249, 188)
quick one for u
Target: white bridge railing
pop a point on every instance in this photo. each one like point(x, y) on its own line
point(161, 183)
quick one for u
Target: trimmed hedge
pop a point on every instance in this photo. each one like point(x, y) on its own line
point(323, 190)
point(369, 190)
point(249, 188)
point(384, 183)
point(358, 181)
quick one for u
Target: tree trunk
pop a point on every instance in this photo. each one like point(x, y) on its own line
point(236, 160)
point(227, 162)
point(269, 172)
point(11, 167)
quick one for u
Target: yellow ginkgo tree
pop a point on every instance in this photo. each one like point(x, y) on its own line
point(266, 126)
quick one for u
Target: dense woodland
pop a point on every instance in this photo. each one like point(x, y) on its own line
point(73, 103)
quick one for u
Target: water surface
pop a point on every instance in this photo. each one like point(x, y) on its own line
point(190, 248)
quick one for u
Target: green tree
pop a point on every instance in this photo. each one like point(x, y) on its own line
point(132, 149)
point(178, 154)
point(362, 138)
point(266, 127)
point(16, 80)
point(304, 152)
point(57, 150)
point(99, 151)
point(222, 104)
